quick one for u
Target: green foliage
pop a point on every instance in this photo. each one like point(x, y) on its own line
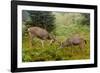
point(42, 19)
point(72, 18)
point(53, 52)
point(66, 25)
point(85, 19)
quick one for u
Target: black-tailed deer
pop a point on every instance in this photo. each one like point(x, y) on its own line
point(41, 34)
point(72, 41)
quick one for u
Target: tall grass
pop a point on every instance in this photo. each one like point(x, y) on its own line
point(53, 52)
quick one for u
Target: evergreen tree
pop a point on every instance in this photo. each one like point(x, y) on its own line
point(85, 19)
point(43, 19)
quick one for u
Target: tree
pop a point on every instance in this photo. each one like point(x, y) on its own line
point(43, 19)
point(84, 19)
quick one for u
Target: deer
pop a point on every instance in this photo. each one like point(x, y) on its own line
point(40, 33)
point(74, 41)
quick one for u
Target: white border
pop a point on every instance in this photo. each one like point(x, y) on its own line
point(53, 63)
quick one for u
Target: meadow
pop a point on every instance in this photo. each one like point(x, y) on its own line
point(65, 27)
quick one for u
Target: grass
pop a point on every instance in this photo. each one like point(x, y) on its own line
point(65, 28)
point(52, 52)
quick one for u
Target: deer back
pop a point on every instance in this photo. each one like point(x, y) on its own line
point(38, 32)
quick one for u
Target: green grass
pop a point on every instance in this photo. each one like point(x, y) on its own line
point(65, 28)
point(52, 52)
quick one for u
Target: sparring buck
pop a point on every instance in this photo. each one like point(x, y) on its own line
point(40, 33)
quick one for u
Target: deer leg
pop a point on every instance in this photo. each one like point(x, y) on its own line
point(51, 42)
point(42, 42)
point(82, 47)
point(30, 40)
point(71, 48)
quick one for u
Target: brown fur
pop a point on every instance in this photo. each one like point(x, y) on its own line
point(76, 40)
point(39, 33)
